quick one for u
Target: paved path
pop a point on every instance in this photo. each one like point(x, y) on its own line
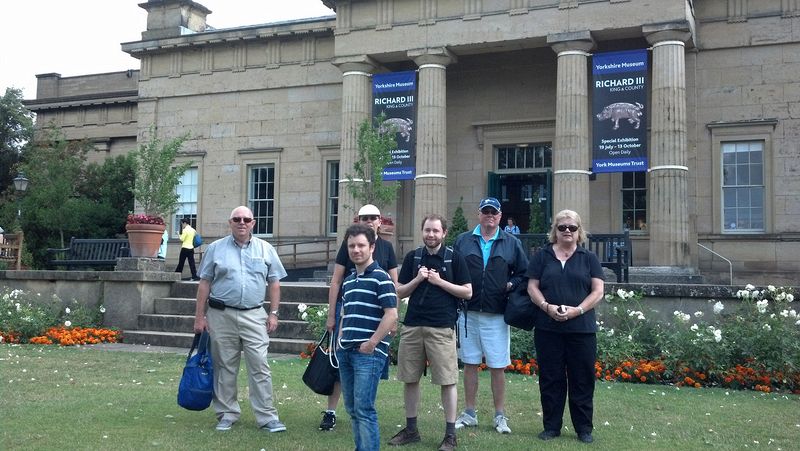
point(126, 347)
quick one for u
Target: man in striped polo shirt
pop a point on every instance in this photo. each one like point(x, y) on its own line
point(369, 314)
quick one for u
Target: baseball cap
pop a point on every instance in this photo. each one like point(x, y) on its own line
point(489, 202)
point(368, 210)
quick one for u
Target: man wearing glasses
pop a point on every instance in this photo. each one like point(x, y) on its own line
point(384, 255)
point(497, 263)
point(234, 276)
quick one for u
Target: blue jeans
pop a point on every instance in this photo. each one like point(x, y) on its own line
point(360, 374)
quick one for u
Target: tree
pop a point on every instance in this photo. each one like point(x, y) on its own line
point(536, 220)
point(366, 185)
point(156, 176)
point(458, 226)
point(68, 198)
point(16, 130)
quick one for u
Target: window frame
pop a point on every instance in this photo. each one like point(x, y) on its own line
point(177, 216)
point(249, 197)
point(733, 132)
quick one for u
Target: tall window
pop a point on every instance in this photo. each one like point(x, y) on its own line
point(332, 180)
point(634, 201)
point(743, 186)
point(261, 197)
point(187, 200)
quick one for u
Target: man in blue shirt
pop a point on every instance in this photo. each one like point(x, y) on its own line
point(235, 274)
point(497, 263)
point(369, 313)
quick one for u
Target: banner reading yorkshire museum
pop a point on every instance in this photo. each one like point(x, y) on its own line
point(619, 132)
point(394, 94)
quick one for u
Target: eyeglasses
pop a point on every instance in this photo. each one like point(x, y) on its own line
point(369, 217)
point(564, 228)
point(237, 220)
point(489, 211)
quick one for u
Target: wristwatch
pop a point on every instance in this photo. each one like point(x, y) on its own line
point(274, 312)
point(581, 309)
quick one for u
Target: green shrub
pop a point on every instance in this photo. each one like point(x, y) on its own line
point(24, 315)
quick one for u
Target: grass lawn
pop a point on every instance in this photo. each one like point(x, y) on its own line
point(83, 398)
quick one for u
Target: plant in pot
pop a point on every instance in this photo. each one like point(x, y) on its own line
point(156, 177)
point(366, 185)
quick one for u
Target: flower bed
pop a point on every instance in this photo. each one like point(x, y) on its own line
point(29, 318)
point(755, 347)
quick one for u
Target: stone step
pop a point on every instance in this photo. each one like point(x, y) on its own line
point(290, 291)
point(186, 306)
point(184, 340)
point(665, 275)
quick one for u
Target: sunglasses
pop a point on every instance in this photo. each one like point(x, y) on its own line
point(489, 211)
point(369, 217)
point(564, 228)
point(237, 220)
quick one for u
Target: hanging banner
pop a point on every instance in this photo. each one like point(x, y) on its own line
point(619, 124)
point(394, 95)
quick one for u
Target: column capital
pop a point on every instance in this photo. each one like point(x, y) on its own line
point(355, 63)
point(673, 31)
point(435, 55)
point(581, 41)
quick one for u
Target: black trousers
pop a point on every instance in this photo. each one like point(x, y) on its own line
point(566, 365)
point(187, 254)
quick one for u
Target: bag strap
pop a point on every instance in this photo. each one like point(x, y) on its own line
point(331, 351)
point(203, 344)
point(195, 342)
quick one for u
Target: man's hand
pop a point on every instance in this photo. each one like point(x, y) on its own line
point(200, 324)
point(272, 323)
point(366, 347)
point(434, 278)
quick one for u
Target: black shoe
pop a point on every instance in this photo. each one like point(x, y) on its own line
point(404, 437)
point(449, 443)
point(548, 435)
point(195, 279)
point(585, 437)
point(328, 421)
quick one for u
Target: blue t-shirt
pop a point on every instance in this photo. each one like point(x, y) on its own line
point(364, 298)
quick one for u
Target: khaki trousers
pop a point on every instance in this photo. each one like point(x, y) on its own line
point(233, 332)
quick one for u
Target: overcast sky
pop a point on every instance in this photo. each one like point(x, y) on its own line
point(83, 36)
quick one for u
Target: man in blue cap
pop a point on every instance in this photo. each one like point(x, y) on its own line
point(497, 263)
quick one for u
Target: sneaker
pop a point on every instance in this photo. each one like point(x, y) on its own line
point(195, 279)
point(585, 437)
point(449, 443)
point(224, 424)
point(501, 424)
point(404, 437)
point(548, 435)
point(274, 426)
point(466, 420)
point(328, 421)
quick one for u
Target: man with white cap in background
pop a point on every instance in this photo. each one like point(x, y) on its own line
point(384, 255)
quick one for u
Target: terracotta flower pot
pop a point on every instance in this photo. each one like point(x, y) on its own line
point(145, 239)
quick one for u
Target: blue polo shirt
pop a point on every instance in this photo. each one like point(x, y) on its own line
point(364, 298)
point(239, 274)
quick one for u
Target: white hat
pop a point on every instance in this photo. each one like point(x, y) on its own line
point(368, 210)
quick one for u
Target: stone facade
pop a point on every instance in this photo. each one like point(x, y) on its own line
point(492, 73)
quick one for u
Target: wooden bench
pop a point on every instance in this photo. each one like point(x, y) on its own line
point(11, 249)
point(614, 250)
point(89, 253)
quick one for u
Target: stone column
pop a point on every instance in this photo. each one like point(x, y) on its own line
point(430, 195)
point(571, 153)
point(356, 107)
point(667, 191)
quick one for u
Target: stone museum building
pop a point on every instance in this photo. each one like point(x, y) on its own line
point(505, 90)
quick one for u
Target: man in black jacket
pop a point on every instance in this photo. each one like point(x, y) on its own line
point(497, 263)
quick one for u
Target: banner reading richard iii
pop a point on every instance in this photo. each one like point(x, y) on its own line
point(394, 94)
point(619, 123)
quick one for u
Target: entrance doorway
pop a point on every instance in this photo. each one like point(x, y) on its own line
point(522, 193)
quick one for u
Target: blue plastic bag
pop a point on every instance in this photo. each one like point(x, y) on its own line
point(196, 388)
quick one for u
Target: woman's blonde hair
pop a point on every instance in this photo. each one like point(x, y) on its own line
point(571, 215)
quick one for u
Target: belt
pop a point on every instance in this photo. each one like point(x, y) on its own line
point(219, 305)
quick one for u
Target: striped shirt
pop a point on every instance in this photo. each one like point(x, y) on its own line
point(365, 296)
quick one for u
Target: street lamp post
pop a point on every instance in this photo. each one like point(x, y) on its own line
point(20, 186)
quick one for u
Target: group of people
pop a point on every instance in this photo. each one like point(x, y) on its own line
point(456, 301)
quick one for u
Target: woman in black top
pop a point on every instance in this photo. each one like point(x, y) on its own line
point(566, 282)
